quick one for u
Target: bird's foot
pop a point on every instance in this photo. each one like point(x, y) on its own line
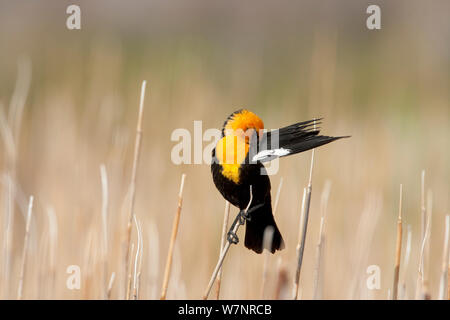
point(232, 237)
point(246, 215)
point(243, 215)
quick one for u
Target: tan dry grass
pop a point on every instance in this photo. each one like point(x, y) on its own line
point(389, 91)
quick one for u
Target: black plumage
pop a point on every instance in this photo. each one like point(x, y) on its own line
point(296, 138)
point(292, 139)
point(239, 196)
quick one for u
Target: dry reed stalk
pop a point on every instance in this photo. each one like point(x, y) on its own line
point(25, 249)
point(129, 277)
point(426, 257)
point(110, 285)
point(302, 213)
point(423, 224)
point(137, 149)
point(226, 216)
point(277, 197)
point(423, 210)
point(105, 196)
point(398, 247)
point(406, 263)
point(321, 242)
point(422, 284)
point(267, 240)
point(137, 260)
point(303, 229)
point(319, 250)
point(225, 251)
point(176, 221)
point(445, 257)
point(424, 252)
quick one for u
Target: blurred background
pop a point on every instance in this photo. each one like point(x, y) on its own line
point(69, 103)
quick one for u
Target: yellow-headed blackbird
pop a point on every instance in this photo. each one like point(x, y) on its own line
point(237, 163)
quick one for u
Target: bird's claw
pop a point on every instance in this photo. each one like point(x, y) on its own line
point(244, 216)
point(232, 237)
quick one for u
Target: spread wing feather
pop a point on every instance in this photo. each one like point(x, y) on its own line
point(296, 138)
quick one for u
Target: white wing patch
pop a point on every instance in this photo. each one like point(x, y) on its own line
point(270, 154)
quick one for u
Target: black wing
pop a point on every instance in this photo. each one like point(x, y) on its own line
point(296, 138)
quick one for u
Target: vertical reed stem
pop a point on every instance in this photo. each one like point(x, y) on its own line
point(422, 285)
point(222, 245)
point(104, 182)
point(176, 221)
point(406, 262)
point(137, 149)
point(398, 250)
point(321, 242)
point(110, 285)
point(445, 258)
point(25, 249)
point(224, 253)
point(304, 228)
point(137, 260)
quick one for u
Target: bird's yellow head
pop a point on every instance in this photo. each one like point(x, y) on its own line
point(232, 149)
point(242, 123)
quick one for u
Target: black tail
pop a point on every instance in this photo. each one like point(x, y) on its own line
point(256, 226)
